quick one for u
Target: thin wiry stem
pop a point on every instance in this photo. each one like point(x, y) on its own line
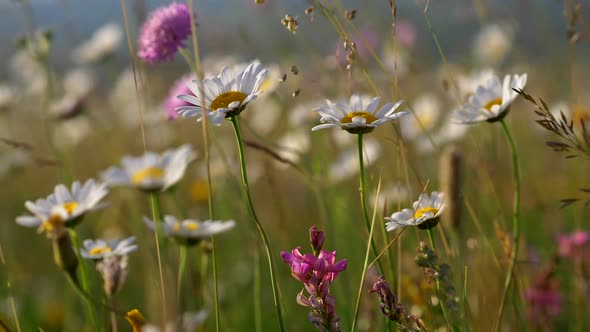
point(182, 257)
point(366, 264)
point(515, 224)
point(9, 289)
point(441, 300)
point(200, 74)
point(157, 216)
point(362, 190)
point(259, 227)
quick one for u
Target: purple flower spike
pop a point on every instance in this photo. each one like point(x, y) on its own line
point(317, 272)
point(172, 102)
point(164, 33)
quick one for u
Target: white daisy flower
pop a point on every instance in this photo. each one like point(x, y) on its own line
point(424, 214)
point(99, 249)
point(491, 101)
point(493, 43)
point(225, 95)
point(190, 231)
point(64, 208)
point(355, 117)
point(151, 171)
point(104, 42)
point(425, 117)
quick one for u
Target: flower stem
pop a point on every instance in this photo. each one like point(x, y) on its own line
point(515, 224)
point(441, 300)
point(262, 233)
point(182, 254)
point(157, 216)
point(362, 190)
point(84, 279)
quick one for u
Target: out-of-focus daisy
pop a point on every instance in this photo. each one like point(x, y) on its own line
point(447, 133)
point(99, 248)
point(265, 117)
point(164, 32)
point(347, 164)
point(104, 42)
point(79, 82)
point(397, 59)
point(64, 208)
point(7, 95)
point(357, 117)
point(189, 321)
point(390, 195)
point(191, 231)
point(491, 101)
point(151, 171)
point(180, 86)
point(293, 145)
point(467, 84)
point(425, 116)
point(493, 43)
point(225, 95)
point(424, 213)
point(70, 133)
point(13, 159)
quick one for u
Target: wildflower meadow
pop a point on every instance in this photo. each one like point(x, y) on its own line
point(320, 165)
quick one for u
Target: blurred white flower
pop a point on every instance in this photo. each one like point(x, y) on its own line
point(426, 112)
point(389, 196)
point(424, 213)
point(293, 145)
point(397, 59)
point(7, 95)
point(468, 83)
point(263, 118)
point(27, 72)
point(104, 42)
point(69, 134)
point(449, 132)
point(79, 82)
point(493, 43)
point(347, 164)
point(13, 159)
point(190, 231)
point(99, 249)
point(187, 323)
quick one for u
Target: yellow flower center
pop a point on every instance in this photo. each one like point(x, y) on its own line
point(135, 319)
point(420, 212)
point(149, 172)
point(226, 98)
point(425, 120)
point(99, 250)
point(199, 191)
point(492, 103)
point(57, 217)
point(368, 117)
point(191, 225)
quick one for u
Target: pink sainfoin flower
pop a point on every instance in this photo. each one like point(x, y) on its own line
point(316, 272)
point(544, 299)
point(574, 245)
point(172, 102)
point(164, 32)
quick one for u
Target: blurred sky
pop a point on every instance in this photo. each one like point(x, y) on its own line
point(230, 25)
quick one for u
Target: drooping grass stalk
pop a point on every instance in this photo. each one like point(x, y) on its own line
point(182, 257)
point(362, 190)
point(441, 300)
point(515, 223)
point(157, 216)
point(9, 290)
point(247, 197)
point(199, 72)
point(84, 279)
point(366, 263)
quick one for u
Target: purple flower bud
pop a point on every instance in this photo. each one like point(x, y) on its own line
point(317, 239)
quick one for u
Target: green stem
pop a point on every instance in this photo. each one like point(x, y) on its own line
point(84, 280)
point(157, 216)
point(257, 294)
point(362, 190)
point(515, 224)
point(182, 256)
point(261, 231)
point(441, 300)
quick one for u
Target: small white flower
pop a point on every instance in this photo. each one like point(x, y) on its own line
point(103, 43)
point(151, 171)
point(425, 116)
point(189, 321)
point(99, 248)
point(347, 164)
point(493, 43)
point(190, 231)
point(64, 208)
point(491, 101)
point(424, 213)
point(355, 117)
point(225, 95)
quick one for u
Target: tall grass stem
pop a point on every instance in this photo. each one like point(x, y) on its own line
point(441, 300)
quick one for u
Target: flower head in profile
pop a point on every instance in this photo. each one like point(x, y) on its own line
point(179, 87)
point(64, 208)
point(225, 95)
point(356, 117)
point(492, 100)
point(164, 32)
point(151, 171)
point(111, 260)
point(189, 231)
point(424, 213)
point(99, 249)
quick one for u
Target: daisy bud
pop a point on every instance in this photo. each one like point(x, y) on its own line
point(64, 255)
point(113, 270)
